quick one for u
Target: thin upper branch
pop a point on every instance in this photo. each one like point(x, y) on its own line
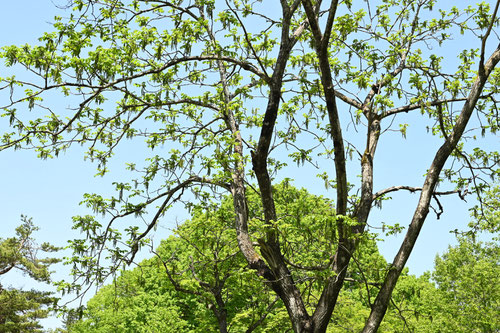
point(411, 107)
point(168, 194)
point(411, 189)
point(247, 39)
point(332, 11)
point(486, 35)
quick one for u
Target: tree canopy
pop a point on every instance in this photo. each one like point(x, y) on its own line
point(21, 310)
point(468, 280)
point(197, 282)
point(229, 94)
point(201, 279)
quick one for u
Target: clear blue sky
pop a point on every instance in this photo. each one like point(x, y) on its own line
point(50, 191)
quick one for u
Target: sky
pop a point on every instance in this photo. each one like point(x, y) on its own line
point(50, 191)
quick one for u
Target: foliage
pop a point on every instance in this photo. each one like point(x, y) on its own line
point(486, 215)
point(468, 280)
point(201, 275)
point(137, 302)
point(21, 310)
point(466, 298)
point(467, 276)
point(199, 280)
point(230, 94)
point(460, 295)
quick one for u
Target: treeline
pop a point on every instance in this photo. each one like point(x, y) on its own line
point(198, 281)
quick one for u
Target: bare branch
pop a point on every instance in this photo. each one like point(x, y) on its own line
point(375, 284)
point(263, 68)
point(486, 35)
point(332, 11)
point(412, 190)
point(168, 194)
point(7, 269)
point(348, 100)
point(411, 107)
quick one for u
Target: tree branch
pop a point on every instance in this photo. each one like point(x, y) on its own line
point(412, 189)
point(168, 194)
point(411, 107)
point(486, 35)
point(332, 11)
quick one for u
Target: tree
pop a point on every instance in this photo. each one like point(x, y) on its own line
point(467, 276)
point(466, 297)
point(239, 93)
point(137, 302)
point(203, 260)
point(466, 300)
point(199, 282)
point(200, 274)
point(20, 310)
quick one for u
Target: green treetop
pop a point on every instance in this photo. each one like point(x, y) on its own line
point(20, 310)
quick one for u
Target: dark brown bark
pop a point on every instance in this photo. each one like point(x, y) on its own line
point(220, 311)
point(328, 299)
point(282, 281)
point(275, 271)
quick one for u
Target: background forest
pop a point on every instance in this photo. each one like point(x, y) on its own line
point(197, 281)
